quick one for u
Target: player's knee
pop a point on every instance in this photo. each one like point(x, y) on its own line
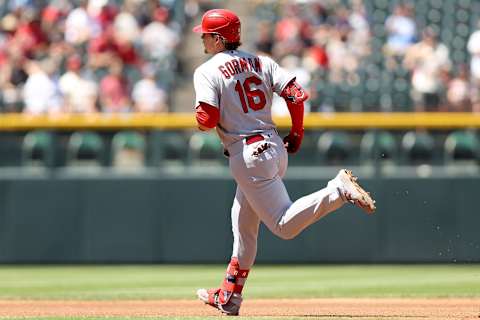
point(286, 233)
point(287, 236)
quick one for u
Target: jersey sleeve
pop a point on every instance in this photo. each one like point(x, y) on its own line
point(279, 77)
point(205, 89)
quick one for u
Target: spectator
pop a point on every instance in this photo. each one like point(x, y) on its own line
point(40, 92)
point(102, 12)
point(114, 97)
point(473, 47)
point(427, 60)
point(343, 63)
point(147, 96)
point(52, 22)
point(12, 76)
point(12, 85)
point(80, 94)
point(401, 29)
point(192, 9)
point(360, 29)
point(458, 92)
point(80, 27)
point(288, 32)
point(126, 28)
point(109, 46)
point(29, 34)
point(158, 39)
point(264, 41)
point(316, 56)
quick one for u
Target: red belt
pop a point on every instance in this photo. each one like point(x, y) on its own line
point(254, 138)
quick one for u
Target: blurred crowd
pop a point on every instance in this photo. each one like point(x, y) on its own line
point(88, 55)
point(380, 49)
point(354, 55)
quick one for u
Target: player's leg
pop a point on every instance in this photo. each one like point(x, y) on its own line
point(259, 177)
point(340, 190)
point(284, 218)
point(245, 224)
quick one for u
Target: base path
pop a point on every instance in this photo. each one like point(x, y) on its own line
point(318, 308)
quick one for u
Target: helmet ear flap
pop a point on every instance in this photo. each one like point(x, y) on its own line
point(222, 38)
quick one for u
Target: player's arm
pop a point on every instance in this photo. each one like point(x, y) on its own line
point(294, 95)
point(207, 116)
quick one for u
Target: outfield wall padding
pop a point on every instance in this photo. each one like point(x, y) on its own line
point(144, 219)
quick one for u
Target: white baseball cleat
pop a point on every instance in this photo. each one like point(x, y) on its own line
point(351, 191)
point(211, 297)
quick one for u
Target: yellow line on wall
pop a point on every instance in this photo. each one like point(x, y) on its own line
point(19, 122)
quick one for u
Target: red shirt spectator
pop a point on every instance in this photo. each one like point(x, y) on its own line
point(106, 16)
point(288, 28)
point(30, 36)
point(108, 44)
point(114, 95)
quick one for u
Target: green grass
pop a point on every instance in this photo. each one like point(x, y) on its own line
point(180, 282)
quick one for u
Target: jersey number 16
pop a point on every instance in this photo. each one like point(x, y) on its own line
point(256, 97)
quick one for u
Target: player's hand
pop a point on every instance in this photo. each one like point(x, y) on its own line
point(293, 141)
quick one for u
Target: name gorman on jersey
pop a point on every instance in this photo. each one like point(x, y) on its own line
point(236, 66)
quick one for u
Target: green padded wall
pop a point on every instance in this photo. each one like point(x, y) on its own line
point(54, 218)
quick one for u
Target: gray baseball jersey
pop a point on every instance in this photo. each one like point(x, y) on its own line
point(241, 85)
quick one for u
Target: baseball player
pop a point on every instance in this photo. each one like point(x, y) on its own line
point(234, 92)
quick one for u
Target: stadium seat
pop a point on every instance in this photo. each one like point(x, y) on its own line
point(342, 98)
point(418, 147)
point(205, 148)
point(37, 149)
point(334, 147)
point(461, 146)
point(466, 4)
point(168, 148)
point(128, 149)
point(326, 96)
point(175, 147)
point(85, 148)
point(378, 146)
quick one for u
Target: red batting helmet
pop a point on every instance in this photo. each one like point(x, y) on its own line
point(221, 21)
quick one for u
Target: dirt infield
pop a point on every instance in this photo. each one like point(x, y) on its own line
point(309, 308)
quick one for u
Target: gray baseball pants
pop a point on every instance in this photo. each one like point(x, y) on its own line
point(261, 196)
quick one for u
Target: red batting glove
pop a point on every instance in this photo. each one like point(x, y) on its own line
point(293, 141)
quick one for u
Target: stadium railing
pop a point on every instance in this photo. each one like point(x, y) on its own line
point(365, 120)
